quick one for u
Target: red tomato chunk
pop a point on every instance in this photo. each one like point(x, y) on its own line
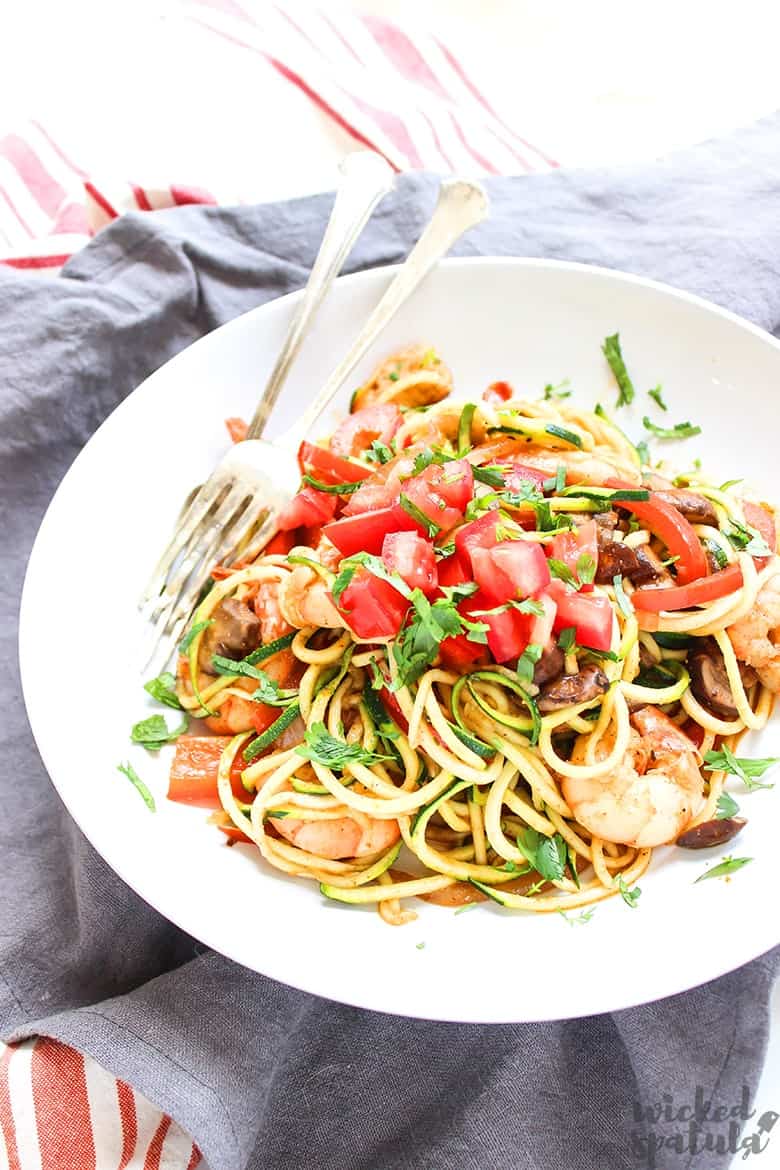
point(413, 559)
point(372, 607)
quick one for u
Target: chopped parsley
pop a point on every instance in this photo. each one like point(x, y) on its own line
point(582, 918)
point(418, 643)
point(527, 661)
point(621, 597)
point(643, 451)
point(378, 453)
point(747, 540)
point(683, 430)
point(554, 393)
point(490, 476)
point(726, 807)
point(566, 639)
point(547, 855)
point(630, 897)
point(614, 355)
point(375, 565)
point(323, 748)
point(129, 771)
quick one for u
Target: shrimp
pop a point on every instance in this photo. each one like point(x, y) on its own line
point(304, 598)
point(756, 637)
point(651, 796)
point(236, 714)
point(581, 466)
point(350, 836)
point(415, 376)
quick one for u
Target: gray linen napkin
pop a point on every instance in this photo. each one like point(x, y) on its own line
point(263, 1076)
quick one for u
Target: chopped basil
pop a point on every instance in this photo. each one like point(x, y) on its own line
point(490, 476)
point(726, 807)
point(727, 866)
point(430, 527)
point(624, 602)
point(747, 770)
point(657, 395)
point(323, 748)
point(683, 430)
point(192, 634)
point(129, 771)
point(614, 355)
point(153, 733)
point(163, 690)
point(418, 643)
point(333, 489)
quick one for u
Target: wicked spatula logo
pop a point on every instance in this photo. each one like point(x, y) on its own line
point(697, 1127)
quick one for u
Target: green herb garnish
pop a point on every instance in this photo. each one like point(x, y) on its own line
point(657, 395)
point(527, 661)
point(553, 393)
point(378, 453)
point(726, 807)
point(614, 355)
point(333, 489)
point(683, 430)
point(621, 597)
point(323, 748)
point(153, 733)
point(727, 866)
point(629, 896)
point(163, 690)
point(192, 634)
point(129, 771)
point(547, 855)
point(747, 770)
point(430, 527)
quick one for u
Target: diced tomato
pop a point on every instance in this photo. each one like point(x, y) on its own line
point(518, 473)
point(694, 731)
point(684, 596)
point(507, 633)
point(280, 544)
point(423, 496)
point(237, 429)
point(370, 497)
point(308, 506)
point(453, 481)
point(366, 532)
point(497, 393)
point(323, 465)
point(569, 546)
point(359, 430)
point(372, 607)
point(451, 571)
point(764, 523)
point(672, 528)
point(511, 570)
point(459, 654)
point(540, 626)
point(590, 615)
point(413, 559)
point(193, 776)
point(479, 533)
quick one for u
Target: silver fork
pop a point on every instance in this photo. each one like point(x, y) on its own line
point(242, 498)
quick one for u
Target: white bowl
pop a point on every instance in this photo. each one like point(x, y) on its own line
point(529, 322)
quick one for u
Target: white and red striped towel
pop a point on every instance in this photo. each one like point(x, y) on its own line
point(412, 100)
point(60, 1110)
point(409, 98)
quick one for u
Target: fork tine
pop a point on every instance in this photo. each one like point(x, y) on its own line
point(173, 608)
point(186, 529)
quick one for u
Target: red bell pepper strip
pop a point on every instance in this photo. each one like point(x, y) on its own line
point(685, 596)
point(672, 528)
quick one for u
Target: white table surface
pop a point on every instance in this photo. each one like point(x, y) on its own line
point(138, 91)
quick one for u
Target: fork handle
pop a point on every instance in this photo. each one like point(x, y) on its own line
point(460, 206)
point(366, 178)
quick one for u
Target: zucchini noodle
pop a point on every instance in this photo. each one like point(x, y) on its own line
point(382, 766)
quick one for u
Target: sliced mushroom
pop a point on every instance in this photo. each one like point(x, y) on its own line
point(698, 509)
point(639, 565)
point(549, 666)
point(573, 688)
point(235, 632)
point(709, 681)
point(711, 833)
